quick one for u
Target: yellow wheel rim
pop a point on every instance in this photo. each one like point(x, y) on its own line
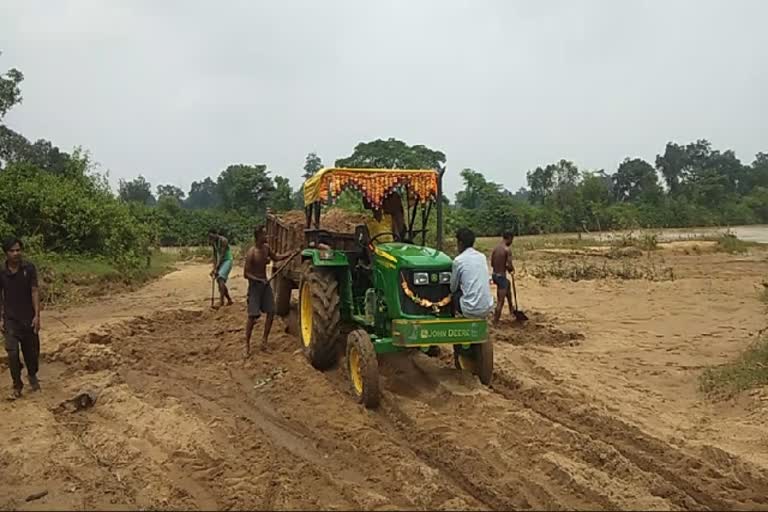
point(306, 314)
point(354, 370)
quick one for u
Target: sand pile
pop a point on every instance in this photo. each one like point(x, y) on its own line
point(334, 219)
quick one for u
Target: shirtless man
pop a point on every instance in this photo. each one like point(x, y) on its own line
point(501, 263)
point(260, 298)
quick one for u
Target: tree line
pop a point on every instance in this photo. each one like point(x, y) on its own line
point(60, 202)
point(690, 185)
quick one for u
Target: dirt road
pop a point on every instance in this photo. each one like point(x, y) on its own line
point(594, 406)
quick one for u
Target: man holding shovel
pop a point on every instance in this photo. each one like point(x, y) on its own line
point(501, 263)
point(222, 265)
point(260, 297)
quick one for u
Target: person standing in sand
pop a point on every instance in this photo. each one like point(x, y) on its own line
point(222, 264)
point(260, 297)
point(20, 310)
point(501, 263)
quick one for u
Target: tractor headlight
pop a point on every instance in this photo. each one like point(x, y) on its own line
point(445, 277)
point(420, 278)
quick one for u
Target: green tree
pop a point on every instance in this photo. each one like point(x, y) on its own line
point(541, 183)
point(245, 187)
point(671, 165)
point(476, 190)
point(282, 196)
point(170, 191)
point(392, 154)
point(203, 194)
point(10, 92)
point(596, 195)
point(636, 180)
point(312, 164)
point(137, 190)
point(14, 147)
point(756, 175)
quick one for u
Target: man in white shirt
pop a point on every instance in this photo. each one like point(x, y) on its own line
point(470, 280)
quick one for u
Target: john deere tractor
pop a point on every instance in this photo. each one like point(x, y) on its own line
point(381, 293)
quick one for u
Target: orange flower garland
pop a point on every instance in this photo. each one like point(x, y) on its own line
point(425, 303)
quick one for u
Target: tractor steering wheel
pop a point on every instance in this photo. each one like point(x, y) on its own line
point(385, 233)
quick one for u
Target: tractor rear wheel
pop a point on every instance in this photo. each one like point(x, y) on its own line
point(319, 316)
point(283, 290)
point(478, 359)
point(363, 369)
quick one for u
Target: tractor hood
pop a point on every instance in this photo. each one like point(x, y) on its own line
point(414, 256)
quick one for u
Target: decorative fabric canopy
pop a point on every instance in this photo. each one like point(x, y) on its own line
point(374, 184)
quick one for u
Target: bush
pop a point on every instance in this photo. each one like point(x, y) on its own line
point(73, 215)
point(729, 243)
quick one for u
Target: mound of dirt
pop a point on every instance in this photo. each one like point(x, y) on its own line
point(296, 219)
point(536, 331)
point(335, 219)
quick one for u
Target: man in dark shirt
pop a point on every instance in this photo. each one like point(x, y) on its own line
point(20, 314)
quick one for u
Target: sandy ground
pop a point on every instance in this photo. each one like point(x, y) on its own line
point(594, 406)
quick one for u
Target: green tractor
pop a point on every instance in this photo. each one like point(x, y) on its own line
point(384, 292)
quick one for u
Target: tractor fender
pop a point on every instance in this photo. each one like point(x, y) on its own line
point(327, 259)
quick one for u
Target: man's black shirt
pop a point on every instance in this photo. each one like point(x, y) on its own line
point(17, 293)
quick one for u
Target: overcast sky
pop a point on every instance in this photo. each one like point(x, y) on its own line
point(177, 90)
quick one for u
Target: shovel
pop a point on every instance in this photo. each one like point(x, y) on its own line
point(284, 265)
point(519, 315)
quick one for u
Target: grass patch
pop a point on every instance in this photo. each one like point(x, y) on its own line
point(586, 269)
point(644, 241)
point(749, 371)
point(71, 279)
point(730, 243)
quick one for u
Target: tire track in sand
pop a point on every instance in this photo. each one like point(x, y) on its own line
point(693, 482)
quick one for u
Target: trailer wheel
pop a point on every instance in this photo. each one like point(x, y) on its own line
point(363, 369)
point(477, 359)
point(319, 316)
point(283, 290)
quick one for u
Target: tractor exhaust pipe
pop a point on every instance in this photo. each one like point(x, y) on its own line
point(440, 172)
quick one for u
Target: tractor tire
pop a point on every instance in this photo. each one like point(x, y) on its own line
point(319, 316)
point(283, 290)
point(363, 369)
point(477, 359)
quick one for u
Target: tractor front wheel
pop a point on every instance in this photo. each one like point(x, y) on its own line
point(478, 359)
point(319, 316)
point(363, 369)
